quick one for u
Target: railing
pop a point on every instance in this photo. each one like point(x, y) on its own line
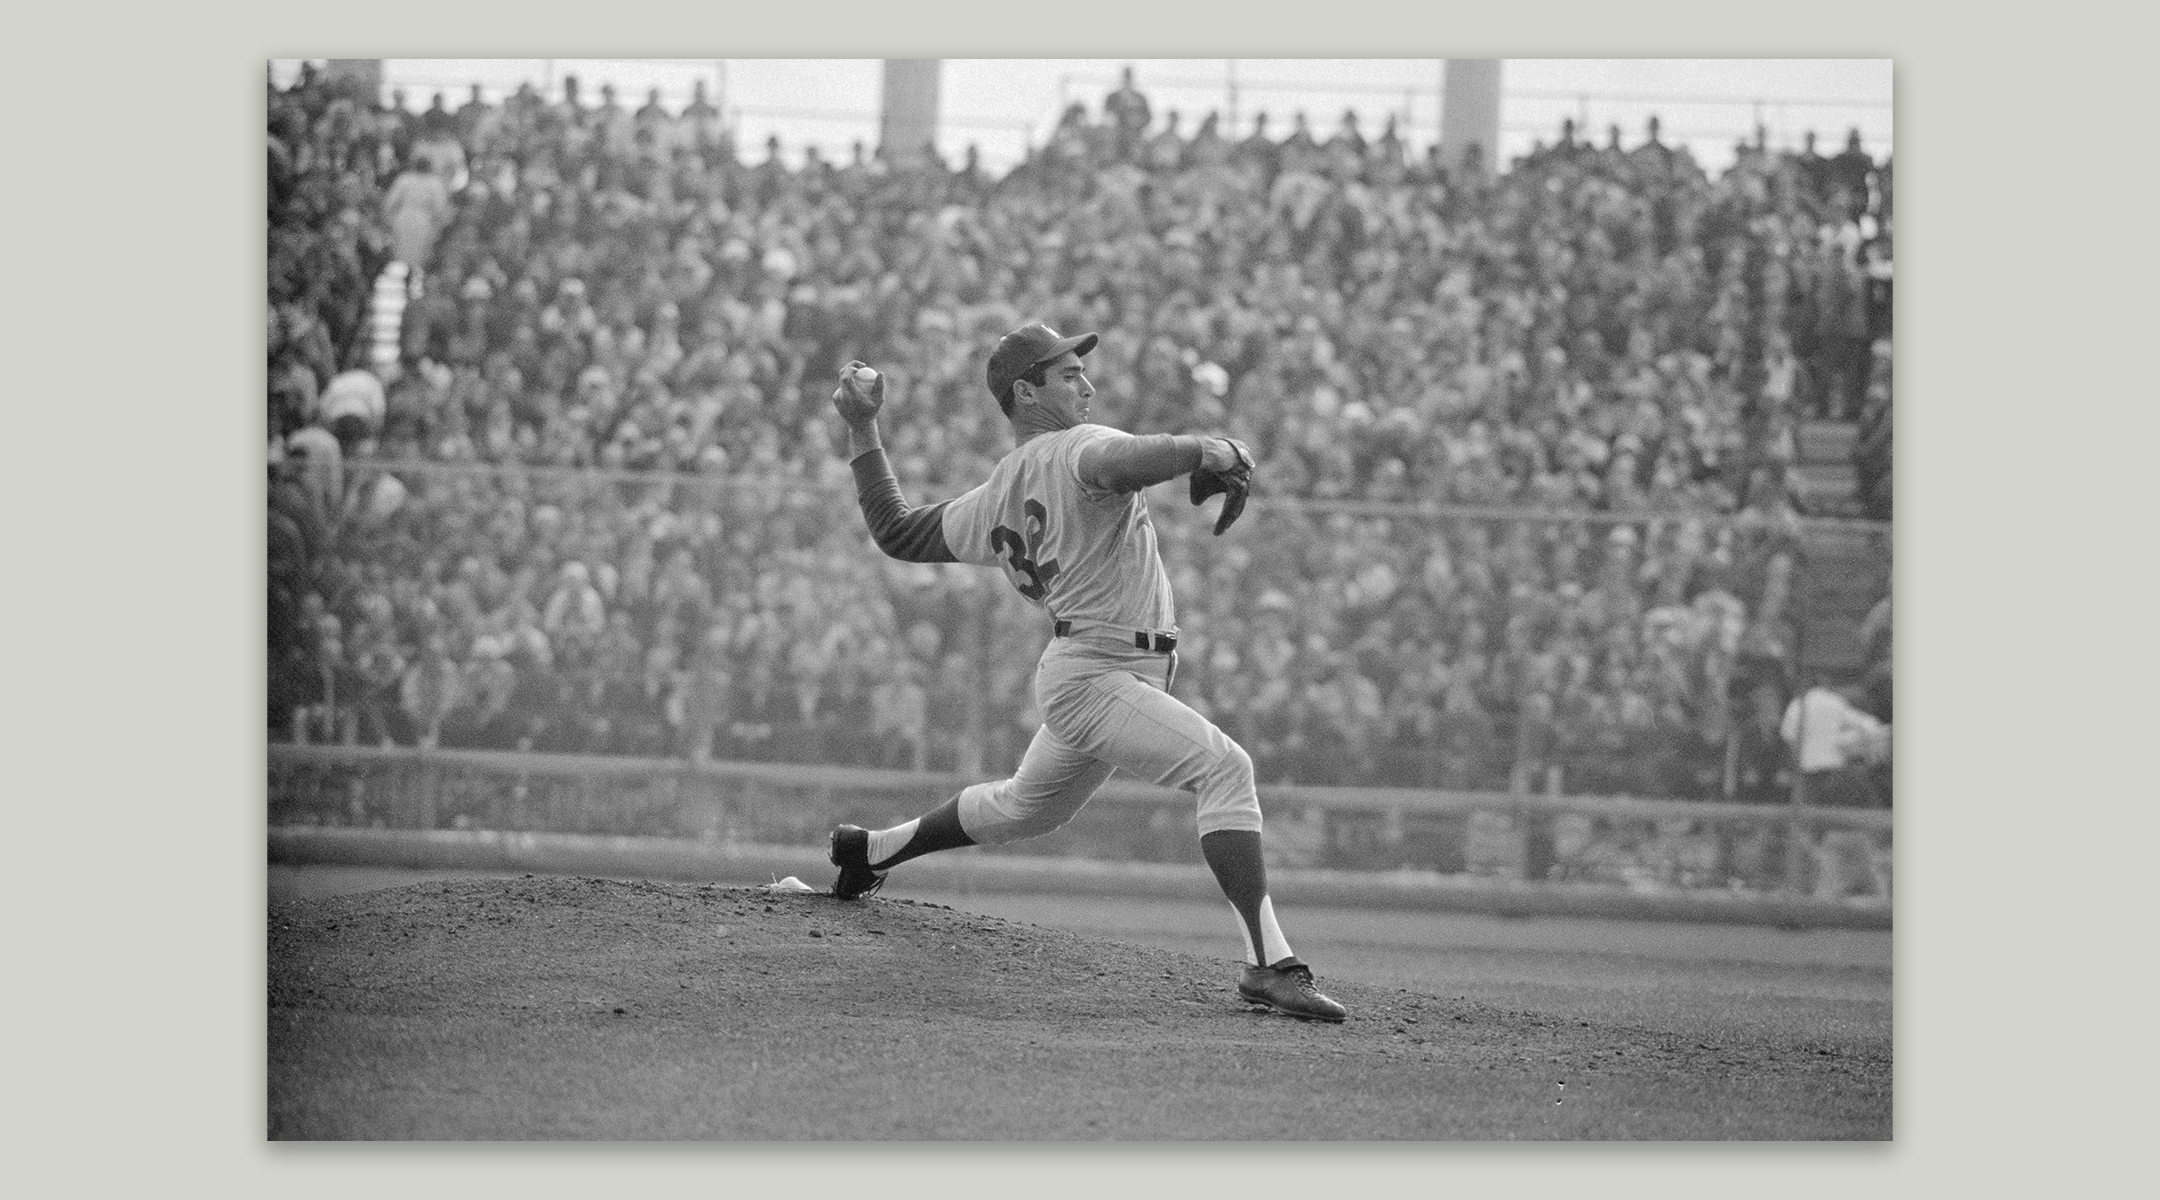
point(1627, 843)
point(842, 491)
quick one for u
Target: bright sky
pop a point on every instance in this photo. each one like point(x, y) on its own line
point(1005, 105)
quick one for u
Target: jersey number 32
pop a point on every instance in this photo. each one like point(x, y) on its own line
point(1032, 578)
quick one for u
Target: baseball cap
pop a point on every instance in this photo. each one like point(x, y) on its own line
point(1026, 346)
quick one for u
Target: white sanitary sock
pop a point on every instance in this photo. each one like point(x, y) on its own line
point(885, 843)
point(1271, 934)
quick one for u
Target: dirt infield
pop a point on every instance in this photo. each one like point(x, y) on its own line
point(567, 1008)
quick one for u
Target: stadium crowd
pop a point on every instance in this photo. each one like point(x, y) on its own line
point(593, 500)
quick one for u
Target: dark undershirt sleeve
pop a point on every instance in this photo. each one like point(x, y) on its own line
point(1132, 463)
point(908, 534)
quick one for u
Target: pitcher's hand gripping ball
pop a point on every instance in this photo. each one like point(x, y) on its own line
point(1234, 482)
point(860, 395)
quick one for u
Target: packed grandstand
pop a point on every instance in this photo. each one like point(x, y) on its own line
point(553, 468)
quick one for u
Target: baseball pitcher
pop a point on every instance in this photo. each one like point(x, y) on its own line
point(1063, 517)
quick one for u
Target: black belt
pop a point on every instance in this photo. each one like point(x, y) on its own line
point(1160, 643)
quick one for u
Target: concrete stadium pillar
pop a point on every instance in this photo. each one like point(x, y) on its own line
point(359, 78)
point(1470, 113)
point(908, 121)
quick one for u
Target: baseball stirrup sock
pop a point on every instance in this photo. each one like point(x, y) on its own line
point(885, 843)
point(938, 829)
point(1241, 871)
point(1277, 946)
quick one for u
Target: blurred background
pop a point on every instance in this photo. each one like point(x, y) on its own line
point(1568, 569)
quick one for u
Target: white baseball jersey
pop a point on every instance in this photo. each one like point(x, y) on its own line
point(1081, 553)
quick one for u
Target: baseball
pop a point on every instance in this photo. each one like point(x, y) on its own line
point(865, 376)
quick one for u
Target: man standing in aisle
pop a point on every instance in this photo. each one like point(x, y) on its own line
point(1064, 517)
point(1832, 741)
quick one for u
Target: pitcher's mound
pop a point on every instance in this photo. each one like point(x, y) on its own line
point(583, 1008)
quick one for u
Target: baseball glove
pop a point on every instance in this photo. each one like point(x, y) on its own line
point(1233, 483)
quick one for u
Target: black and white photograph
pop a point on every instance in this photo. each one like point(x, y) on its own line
point(1079, 600)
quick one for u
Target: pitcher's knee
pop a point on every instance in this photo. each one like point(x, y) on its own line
point(994, 813)
point(1036, 824)
point(1229, 798)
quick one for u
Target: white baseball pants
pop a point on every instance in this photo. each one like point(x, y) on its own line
point(1107, 706)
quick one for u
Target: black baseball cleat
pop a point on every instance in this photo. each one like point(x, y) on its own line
point(1288, 988)
point(851, 853)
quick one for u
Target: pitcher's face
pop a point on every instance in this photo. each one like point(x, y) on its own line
point(1065, 390)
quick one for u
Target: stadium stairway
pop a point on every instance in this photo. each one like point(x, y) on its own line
point(1847, 571)
point(1847, 557)
point(1827, 481)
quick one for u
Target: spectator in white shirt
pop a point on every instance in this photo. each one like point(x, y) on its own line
point(1827, 733)
point(1833, 740)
